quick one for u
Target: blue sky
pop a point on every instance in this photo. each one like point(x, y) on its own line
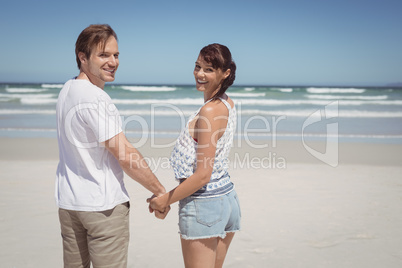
point(281, 42)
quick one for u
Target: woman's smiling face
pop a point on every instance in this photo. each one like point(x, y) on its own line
point(207, 78)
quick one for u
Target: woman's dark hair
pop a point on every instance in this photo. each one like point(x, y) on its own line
point(90, 37)
point(219, 57)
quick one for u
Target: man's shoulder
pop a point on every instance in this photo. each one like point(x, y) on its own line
point(83, 84)
point(85, 90)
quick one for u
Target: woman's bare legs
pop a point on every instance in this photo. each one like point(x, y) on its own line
point(199, 253)
point(205, 253)
point(222, 249)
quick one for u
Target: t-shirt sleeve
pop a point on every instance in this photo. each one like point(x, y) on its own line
point(104, 119)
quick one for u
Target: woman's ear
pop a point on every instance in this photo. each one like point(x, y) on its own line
point(227, 73)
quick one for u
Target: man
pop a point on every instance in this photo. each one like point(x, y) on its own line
point(94, 152)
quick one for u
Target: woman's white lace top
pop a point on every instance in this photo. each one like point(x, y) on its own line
point(184, 160)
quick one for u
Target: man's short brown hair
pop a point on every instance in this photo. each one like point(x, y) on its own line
point(90, 37)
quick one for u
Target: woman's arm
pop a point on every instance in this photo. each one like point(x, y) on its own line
point(209, 128)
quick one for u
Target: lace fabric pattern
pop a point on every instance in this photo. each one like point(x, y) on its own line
point(184, 159)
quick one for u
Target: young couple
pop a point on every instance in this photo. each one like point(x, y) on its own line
point(94, 155)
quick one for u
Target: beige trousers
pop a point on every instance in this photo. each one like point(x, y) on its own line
point(100, 237)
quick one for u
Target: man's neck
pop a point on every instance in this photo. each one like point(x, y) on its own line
point(84, 76)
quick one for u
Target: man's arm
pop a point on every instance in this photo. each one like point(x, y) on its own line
point(133, 164)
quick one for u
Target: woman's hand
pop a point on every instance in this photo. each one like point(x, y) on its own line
point(162, 215)
point(156, 205)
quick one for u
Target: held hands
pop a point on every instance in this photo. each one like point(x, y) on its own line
point(154, 206)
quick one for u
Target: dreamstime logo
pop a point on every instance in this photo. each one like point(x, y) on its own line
point(330, 156)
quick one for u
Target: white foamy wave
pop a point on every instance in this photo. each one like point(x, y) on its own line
point(371, 102)
point(174, 111)
point(177, 112)
point(52, 85)
point(290, 113)
point(37, 101)
point(148, 88)
point(326, 135)
point(145, 132)
point(284, 90)
point(334, 90)
point(30, 111)
point(156, 112)
point(275, 102)
point(369, 114)
point(24, 90)
point(336, 97)
point(238, 94)
point(184, 101)
point(307, 113)
point(261, 102)
point(20, 96)
point(28, 129)
point(34, 99)
point(249, 89)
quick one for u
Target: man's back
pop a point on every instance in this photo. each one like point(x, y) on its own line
point(89, 177)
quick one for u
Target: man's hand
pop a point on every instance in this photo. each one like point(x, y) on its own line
point(160, 212)
point(162, 215)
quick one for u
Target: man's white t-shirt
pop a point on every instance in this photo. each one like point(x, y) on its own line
point(89, 177)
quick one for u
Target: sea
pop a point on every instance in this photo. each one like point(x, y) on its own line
point(347, 114)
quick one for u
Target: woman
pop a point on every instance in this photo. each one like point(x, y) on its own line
point(209, 211)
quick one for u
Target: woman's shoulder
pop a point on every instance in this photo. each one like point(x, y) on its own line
point(214, 107)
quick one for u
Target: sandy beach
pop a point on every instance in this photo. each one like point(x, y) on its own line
point(296, 210)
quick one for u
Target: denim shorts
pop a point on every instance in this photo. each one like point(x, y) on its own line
point(201, 218)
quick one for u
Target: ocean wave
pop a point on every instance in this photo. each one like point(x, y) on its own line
point(20, 96)
point(37, 101)
point(52, 85)
point(144, 132)
point(24, 90)
point(339, 113)
point(337, 97)
point(276, 102)
point(249, 88)
point(29, 129)
point(200, 101)
point(184, 101)
point(22, 111)
point(148, 88)
point(251, 112)
point(156, 112)
point(123, 112)
point(284, 90)
point(50, 98)
point(323, 135)
point(176, 112)
point(258, 102)
point(334, 90)
point(239, 94)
